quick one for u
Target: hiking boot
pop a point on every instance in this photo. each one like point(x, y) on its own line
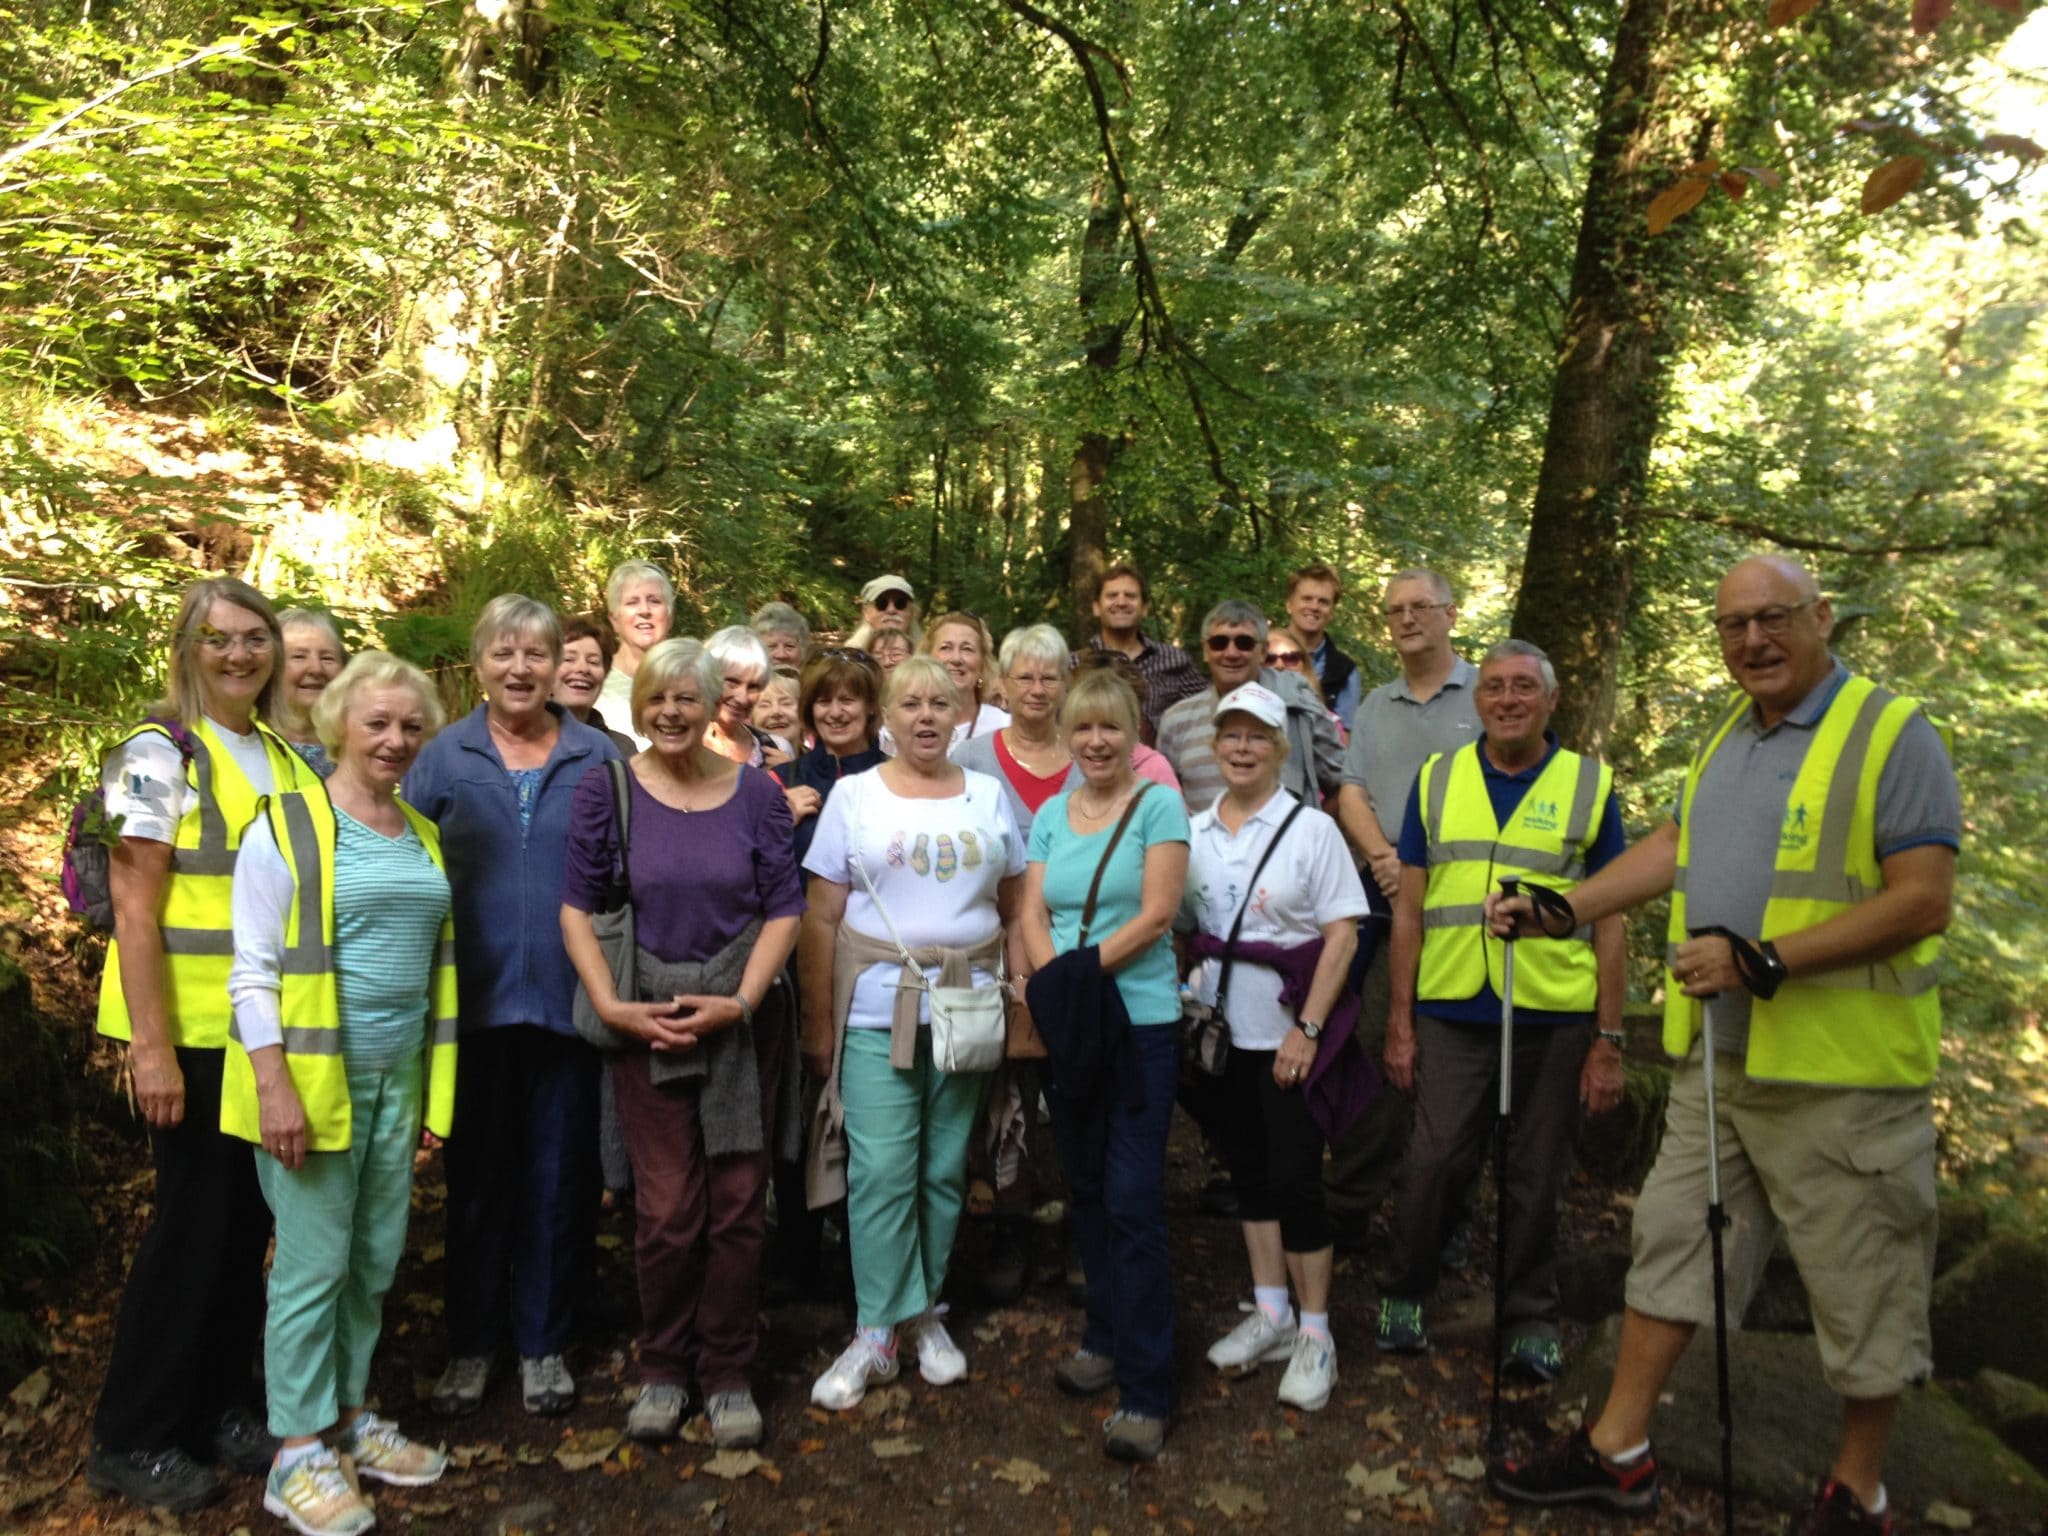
point(1007, 1271)
point(845, 1383)
point(1131, 1436)
point(545, 1386)
point(735, 1420)
point(380, 1453)
point(1570, 1471)
point(1255, 1341)
point(314, 1496)
point(657, 1411)
point(242, 1444)
point(1083, 1374)
point(1399, 1330)
point(939, 1360)
point(1838, 1512)
point(460, 1391)
point(1533, 1358)
point(167, 1479)
point(1311, 1373)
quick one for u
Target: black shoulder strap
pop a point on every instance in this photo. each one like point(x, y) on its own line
point(622, 820)
point(1095, 885)
point(1250, 889)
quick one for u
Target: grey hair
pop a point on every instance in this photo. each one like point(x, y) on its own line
point(781, 619)
point(739, 649)
point(673, 661)
point(313, 618)
point(1032, 642)
point(1434, 580)
point(1502, 650)
point(926, 670)
point(1235, 611)
point(514, 613)
point(627, 572)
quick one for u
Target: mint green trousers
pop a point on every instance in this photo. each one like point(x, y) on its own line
point(906, 1173)
point(341, 1221)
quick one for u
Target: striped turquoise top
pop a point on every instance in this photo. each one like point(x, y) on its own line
point(389, 902)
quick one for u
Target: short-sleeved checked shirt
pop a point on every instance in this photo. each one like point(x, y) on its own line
point(1170, 675)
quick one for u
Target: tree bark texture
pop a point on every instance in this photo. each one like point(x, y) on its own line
point(1606, 396)
point(1103, 338)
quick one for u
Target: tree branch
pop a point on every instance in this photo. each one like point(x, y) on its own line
point(1785, 539)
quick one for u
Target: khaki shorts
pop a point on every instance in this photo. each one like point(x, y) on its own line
point(1847, 1172)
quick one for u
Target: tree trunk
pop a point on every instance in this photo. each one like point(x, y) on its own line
point(1103, 338)
point(1606, 398)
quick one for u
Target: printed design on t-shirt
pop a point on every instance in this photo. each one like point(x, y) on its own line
point(942, 855)
point(153, 795)
point(1260, 904)
point(895, 852)
point(948, 862)
point(970, 849)
point(920, 860)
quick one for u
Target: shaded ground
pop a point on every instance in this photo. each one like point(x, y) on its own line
point(1001, 1449)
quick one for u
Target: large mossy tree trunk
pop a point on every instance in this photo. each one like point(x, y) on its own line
point(1103, 342)
point(1578, 577)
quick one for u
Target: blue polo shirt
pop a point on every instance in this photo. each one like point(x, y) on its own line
point(1505, 790)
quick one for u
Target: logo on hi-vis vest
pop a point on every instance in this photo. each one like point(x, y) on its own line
point(1540, 815)
point(1792, 836)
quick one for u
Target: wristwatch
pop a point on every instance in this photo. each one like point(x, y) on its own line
point(1311, 1028)
point(1774, 972)
point(1615, 1037)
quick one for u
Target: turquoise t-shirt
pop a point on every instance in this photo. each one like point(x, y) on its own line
point(1150, 986)
point(389, 901)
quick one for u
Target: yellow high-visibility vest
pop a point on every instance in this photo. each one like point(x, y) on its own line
point(310, 999)
point(195, 920)
point(1544, 843)
point(1870, 1026)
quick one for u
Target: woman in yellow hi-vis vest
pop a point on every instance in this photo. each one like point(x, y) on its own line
point(183, 785)
point(344, 1031)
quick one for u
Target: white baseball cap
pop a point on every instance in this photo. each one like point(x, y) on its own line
point(881, 584)
point(1256, 700)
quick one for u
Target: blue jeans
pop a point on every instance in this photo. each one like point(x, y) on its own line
point(1120, 1219)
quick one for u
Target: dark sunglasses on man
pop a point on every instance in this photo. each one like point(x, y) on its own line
point(1222, 643)
point(892, 599)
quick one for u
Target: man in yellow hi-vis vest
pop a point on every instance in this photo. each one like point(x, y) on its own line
point(1513, 804)
point(1811, 862)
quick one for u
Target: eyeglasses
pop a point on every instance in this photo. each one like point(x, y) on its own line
point(1399, 611)
point(1283, 658)
point(891, 599)
point(217, 642)
point(1221, 643)
point(1733, 628)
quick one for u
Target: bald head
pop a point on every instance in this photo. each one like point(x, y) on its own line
point(1774, 627)
point(1791, 581)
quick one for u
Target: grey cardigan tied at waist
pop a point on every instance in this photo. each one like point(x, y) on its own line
point(856, 951)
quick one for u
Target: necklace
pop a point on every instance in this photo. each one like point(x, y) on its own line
point(1101, 815)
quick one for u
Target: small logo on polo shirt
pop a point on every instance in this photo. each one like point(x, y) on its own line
point(1793, 836)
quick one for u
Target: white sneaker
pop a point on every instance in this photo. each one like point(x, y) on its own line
point(1254, 1342)
point(846, 1383)
point(657, 1412)
point(939, 1360)
point(315, 1498)
point(1311, 1372)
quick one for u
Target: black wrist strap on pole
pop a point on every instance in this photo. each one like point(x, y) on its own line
point(1546, 904)
point(1750, 965)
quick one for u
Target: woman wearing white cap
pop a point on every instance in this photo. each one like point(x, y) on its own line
point(887, 602)
point(1276, 901)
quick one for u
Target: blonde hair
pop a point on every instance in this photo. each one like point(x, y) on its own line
point(371, 669)
point(913, 670)
point(1099, 695)
point(985, 681)
point(184, 696)
point(669, 663)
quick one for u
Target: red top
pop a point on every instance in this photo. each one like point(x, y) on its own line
point(1030, 787)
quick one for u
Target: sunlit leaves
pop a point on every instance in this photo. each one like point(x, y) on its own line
point(1676, 201)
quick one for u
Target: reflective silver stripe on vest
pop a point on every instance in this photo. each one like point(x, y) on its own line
point(1537, 861)
point(309, 956)
point(300, 1041)
point(444, 953)
point(198, 941)
point(213, 856)
point(443, 1032)
point(1439, 791)
point(1580, 824)
point(1459, 916)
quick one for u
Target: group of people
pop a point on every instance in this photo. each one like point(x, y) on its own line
point(660, 914)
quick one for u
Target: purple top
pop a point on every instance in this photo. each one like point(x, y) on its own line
point(699, 877)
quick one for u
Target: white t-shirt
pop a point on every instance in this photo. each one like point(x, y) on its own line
point(615, 703)
point(1309, 881)
point(144, 781)
point(935, 863)
point(987, 719)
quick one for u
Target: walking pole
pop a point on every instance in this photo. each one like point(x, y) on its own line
point(1717, 1222)
point(1503, 1113)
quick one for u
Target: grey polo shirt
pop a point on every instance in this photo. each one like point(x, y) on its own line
point(1739, 810)
point(1395, 733)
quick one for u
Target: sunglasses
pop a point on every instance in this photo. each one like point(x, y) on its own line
point(1221, 643)
point(849, 653)
point(892, 599)
point(1283, 658)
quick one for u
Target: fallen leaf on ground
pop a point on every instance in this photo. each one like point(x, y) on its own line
point(1027, 1475)
point(464, 1456)
point(732, 1464)
point(1376, 1482)
point(1385, 1422)
point(587, 1448)
point(1466, 1468)
point(888, 1400)
point(893, 1447)
point(33, 1391)
point(1949, 1517)
point(1229, 1499)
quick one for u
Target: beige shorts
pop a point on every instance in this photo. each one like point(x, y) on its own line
point(1849, 1175)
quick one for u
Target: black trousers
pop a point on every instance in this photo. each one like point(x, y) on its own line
point(1275, 1152)
point(192, 1310)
